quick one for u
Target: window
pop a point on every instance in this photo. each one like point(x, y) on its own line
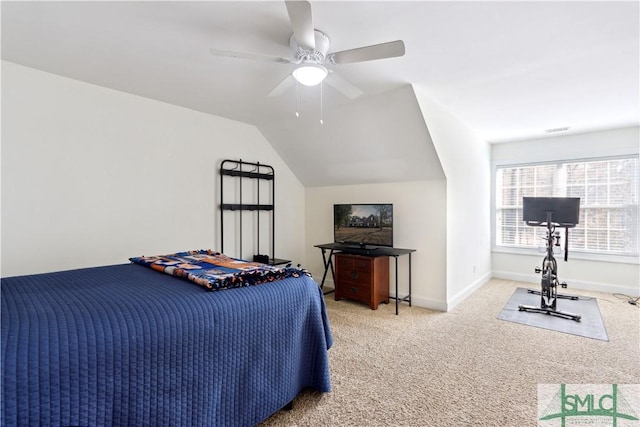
point(608, 192)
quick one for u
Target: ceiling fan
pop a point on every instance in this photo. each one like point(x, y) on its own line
point(310, 48)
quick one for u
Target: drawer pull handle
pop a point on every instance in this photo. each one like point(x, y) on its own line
point(354, 275)
point(353, 290)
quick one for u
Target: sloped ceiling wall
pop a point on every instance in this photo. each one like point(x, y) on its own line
point(466, 158)
point(376, 139)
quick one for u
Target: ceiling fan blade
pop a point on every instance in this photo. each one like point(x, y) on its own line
point(254, 56)
point(302, 23)
point(369, 53)
point(282, 87)
point(343, 85)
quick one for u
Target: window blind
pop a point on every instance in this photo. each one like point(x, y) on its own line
point(608, 192)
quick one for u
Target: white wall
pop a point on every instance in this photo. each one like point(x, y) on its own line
point(92, 176)
point(611, 277)
point(620, 277)
point(419, 211)
point(465, 159)
point(372, 139)
point(576, 146)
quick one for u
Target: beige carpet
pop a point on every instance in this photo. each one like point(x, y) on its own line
point(462, 368)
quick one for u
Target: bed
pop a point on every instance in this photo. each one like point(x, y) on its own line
point(126, 345)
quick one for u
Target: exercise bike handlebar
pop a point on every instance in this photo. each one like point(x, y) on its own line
point(545, 224)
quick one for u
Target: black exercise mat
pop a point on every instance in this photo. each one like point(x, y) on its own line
point(590, 324)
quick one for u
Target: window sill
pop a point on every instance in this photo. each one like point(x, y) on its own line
point(586, 256)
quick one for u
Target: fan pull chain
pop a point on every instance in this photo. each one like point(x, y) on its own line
point(297, 113)
point(321, 121)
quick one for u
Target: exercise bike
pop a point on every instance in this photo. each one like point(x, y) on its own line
point(551, 212)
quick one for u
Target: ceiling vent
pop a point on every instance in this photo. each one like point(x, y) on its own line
point(552, 130)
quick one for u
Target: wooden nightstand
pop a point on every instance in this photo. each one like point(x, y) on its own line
point(362, 278)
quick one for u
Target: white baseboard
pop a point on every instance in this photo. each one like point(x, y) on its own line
point(462, 295)
point(576, 284)
point(429, 303)
point(433, 304)
point(440, 305)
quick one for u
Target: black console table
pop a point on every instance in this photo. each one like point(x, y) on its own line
point(365, 251)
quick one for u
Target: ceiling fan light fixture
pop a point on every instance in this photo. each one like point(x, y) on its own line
point(310, 74)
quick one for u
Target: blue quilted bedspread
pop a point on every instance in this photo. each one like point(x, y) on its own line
point(125, 346)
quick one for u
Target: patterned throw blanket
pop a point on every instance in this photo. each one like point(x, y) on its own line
point(216, 271)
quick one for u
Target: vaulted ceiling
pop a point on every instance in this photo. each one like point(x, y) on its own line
point(508, 70)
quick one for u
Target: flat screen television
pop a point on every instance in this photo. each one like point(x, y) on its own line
point(363, 224)
point(564, 211)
